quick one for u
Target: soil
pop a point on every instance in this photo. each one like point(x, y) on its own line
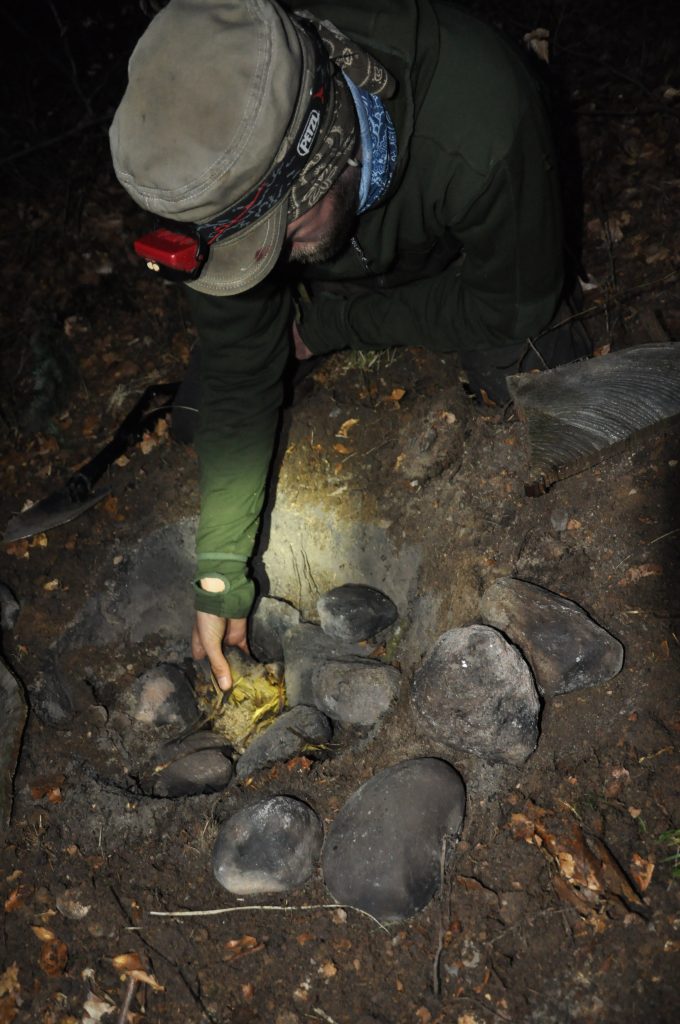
point(508, 937)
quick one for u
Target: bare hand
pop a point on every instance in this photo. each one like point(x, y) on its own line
point(209, 634)
point(301, 350)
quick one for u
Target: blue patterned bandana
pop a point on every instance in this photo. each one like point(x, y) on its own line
point(378, 146)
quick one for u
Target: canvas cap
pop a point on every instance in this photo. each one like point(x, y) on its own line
point(217, 92)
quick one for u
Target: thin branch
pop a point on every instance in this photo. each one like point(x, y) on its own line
point(260, 906)
point(127, 1002)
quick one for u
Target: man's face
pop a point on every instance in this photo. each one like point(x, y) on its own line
point(324, 230)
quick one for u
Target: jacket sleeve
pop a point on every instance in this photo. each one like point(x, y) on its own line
point(505, 286)
point(244, 348)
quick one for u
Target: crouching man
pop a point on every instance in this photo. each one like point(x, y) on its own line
point(395, 157)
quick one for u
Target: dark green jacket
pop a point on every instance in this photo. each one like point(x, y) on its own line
point(464, 252)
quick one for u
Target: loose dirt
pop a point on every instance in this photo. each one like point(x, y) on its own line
point(509, 937)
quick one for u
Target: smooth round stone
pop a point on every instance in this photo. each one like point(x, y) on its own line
point(162, 696)
point(475, 692)
point(195, 766)
point(566, 649)
point(286, 737)
point(270, 846)
point(357, 692)
point(9, 608)
point(383, 851)
point(355, 612)
point(268, 625)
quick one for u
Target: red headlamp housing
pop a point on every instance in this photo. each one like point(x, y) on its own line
point(173, 254)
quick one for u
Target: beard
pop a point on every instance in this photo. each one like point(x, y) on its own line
point(344, 195)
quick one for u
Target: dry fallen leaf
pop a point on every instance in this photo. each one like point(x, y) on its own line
point(19, 549)
point(48, 787)
point(248, 990)
point(236, 948)
point(147, 979)
point(9, 981)
point(95, 1008)
point(15, 900)
point(642, 871)
point(8, 1009)
point(346, 427)
point(128, 962)
point(397, 394)
point(342, 449)
point(328, 969)
point(538, 41)
point(299, 764)
point(51, 585)
point(53, 957)
point(638, 572)
point(110, 506)
point(43, 934)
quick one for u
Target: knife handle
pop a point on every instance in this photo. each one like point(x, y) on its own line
point(138, 420)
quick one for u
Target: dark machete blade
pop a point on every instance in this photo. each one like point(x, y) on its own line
point(79, 493)
point(57, 509)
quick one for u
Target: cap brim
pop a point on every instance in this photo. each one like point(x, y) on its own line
point(241, 262)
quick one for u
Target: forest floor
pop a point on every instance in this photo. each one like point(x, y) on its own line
point(506, 938)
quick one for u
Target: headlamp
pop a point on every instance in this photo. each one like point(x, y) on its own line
point(178, 251)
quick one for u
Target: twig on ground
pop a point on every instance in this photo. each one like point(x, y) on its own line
point(664, 535)
point(195, 995)
point(436, 978)
point(261, 906)
point(127, 1001)
point(318, 1012)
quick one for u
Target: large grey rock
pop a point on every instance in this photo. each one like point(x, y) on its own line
point(304, 648)
point(475, 692)
point(194, 766)
point(9, 608)
point(13, 713)
point(355, 692)
point(268, 625)
point(285, 738)
point(271, 846)
point(355, 612)
point(566, 649)
point(383, 851)
point(162, 696)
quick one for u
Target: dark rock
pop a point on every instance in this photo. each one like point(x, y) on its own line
point(285, 738)
point(268, 625)
point(13, 713)
point(193, 766)
point(383, 851)
point(52, 702)
point(355, 692)
point(566, 649)
point(271, 846)
point(355, 612)
point(9, 608)
point(304, 648)
point(162, 696)
point(475, 692)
